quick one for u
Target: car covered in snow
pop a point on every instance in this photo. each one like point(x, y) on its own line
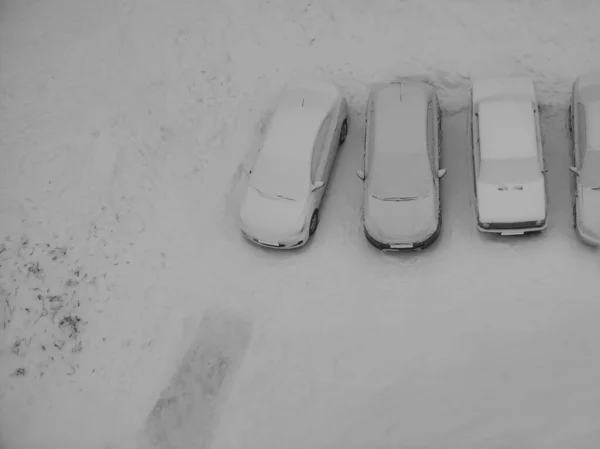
point(508, 160)
point(280, 208)
point(401, 176)
point(584, 125)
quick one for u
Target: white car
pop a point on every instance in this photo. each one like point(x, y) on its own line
point(584, 124)
point(508, 160)
point(286, 185)
point(401, 204)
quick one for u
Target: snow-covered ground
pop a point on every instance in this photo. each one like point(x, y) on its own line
point(135, 313)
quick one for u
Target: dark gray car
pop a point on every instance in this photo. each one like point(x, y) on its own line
point(401, 205)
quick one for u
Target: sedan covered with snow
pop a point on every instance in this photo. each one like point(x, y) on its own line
point(508, 161)
point(280, 208)
point(584, 124)
point(401, 205)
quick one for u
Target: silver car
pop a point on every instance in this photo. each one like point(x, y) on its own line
point(401, 205)
point(584, 124)
point(508, 158)
point(280, 208)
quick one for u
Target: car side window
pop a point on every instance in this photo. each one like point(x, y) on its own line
point(581, 130)
point(540, 138)
point(475, 138)
point(315, 164)
point(319, 148)
point(430, 134)
point(369, 124)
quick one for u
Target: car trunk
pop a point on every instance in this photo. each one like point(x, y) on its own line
point(511, 204)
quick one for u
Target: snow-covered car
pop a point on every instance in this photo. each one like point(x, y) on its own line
point(584, 125)
point(285, 188)
point(401, 176)
point(508, 160)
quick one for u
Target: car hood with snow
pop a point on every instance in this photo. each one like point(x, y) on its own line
point(271, 218)
point(400, 220)
point(400, 206)
point(511, 191)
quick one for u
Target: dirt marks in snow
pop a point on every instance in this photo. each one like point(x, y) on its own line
point(42, 293)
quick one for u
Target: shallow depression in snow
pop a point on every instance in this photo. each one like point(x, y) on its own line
point(135, 313)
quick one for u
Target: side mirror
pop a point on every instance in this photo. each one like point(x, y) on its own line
point(317, 185)
point(360, 174)
point(441, 172)
point(574, 170)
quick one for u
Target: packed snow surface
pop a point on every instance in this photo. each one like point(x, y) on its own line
point(135, 314)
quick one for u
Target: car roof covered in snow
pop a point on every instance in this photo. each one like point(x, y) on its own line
point(590, 173)
point(507, 129)
point(398, 119)
point(588, 86)
point(295, 124)
point(284, 162)
point(400, 162)
point(592, 124)
point(495, 88)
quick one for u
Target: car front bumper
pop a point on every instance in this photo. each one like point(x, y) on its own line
point(404, 247)
point(512, 228)
point(282, 244)
point(587, 237)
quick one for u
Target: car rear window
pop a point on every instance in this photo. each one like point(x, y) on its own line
point(590, 173)
point(509, 171)
point(507, 129)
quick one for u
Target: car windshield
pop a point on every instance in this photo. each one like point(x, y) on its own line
point(281, 178)
point(400, 177)
point(509, 171)
point(590, 173)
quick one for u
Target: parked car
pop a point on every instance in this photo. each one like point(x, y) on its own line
point(401, 194)
point(584, 124)
point(286, 185)
point(508, 160)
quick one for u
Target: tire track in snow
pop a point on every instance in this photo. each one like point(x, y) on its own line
point(187, 412)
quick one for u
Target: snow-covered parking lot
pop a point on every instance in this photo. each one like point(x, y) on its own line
point(135, 314)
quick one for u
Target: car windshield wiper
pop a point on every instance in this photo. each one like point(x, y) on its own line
point(398, 198)
point(270, 195)
point(285, 198)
